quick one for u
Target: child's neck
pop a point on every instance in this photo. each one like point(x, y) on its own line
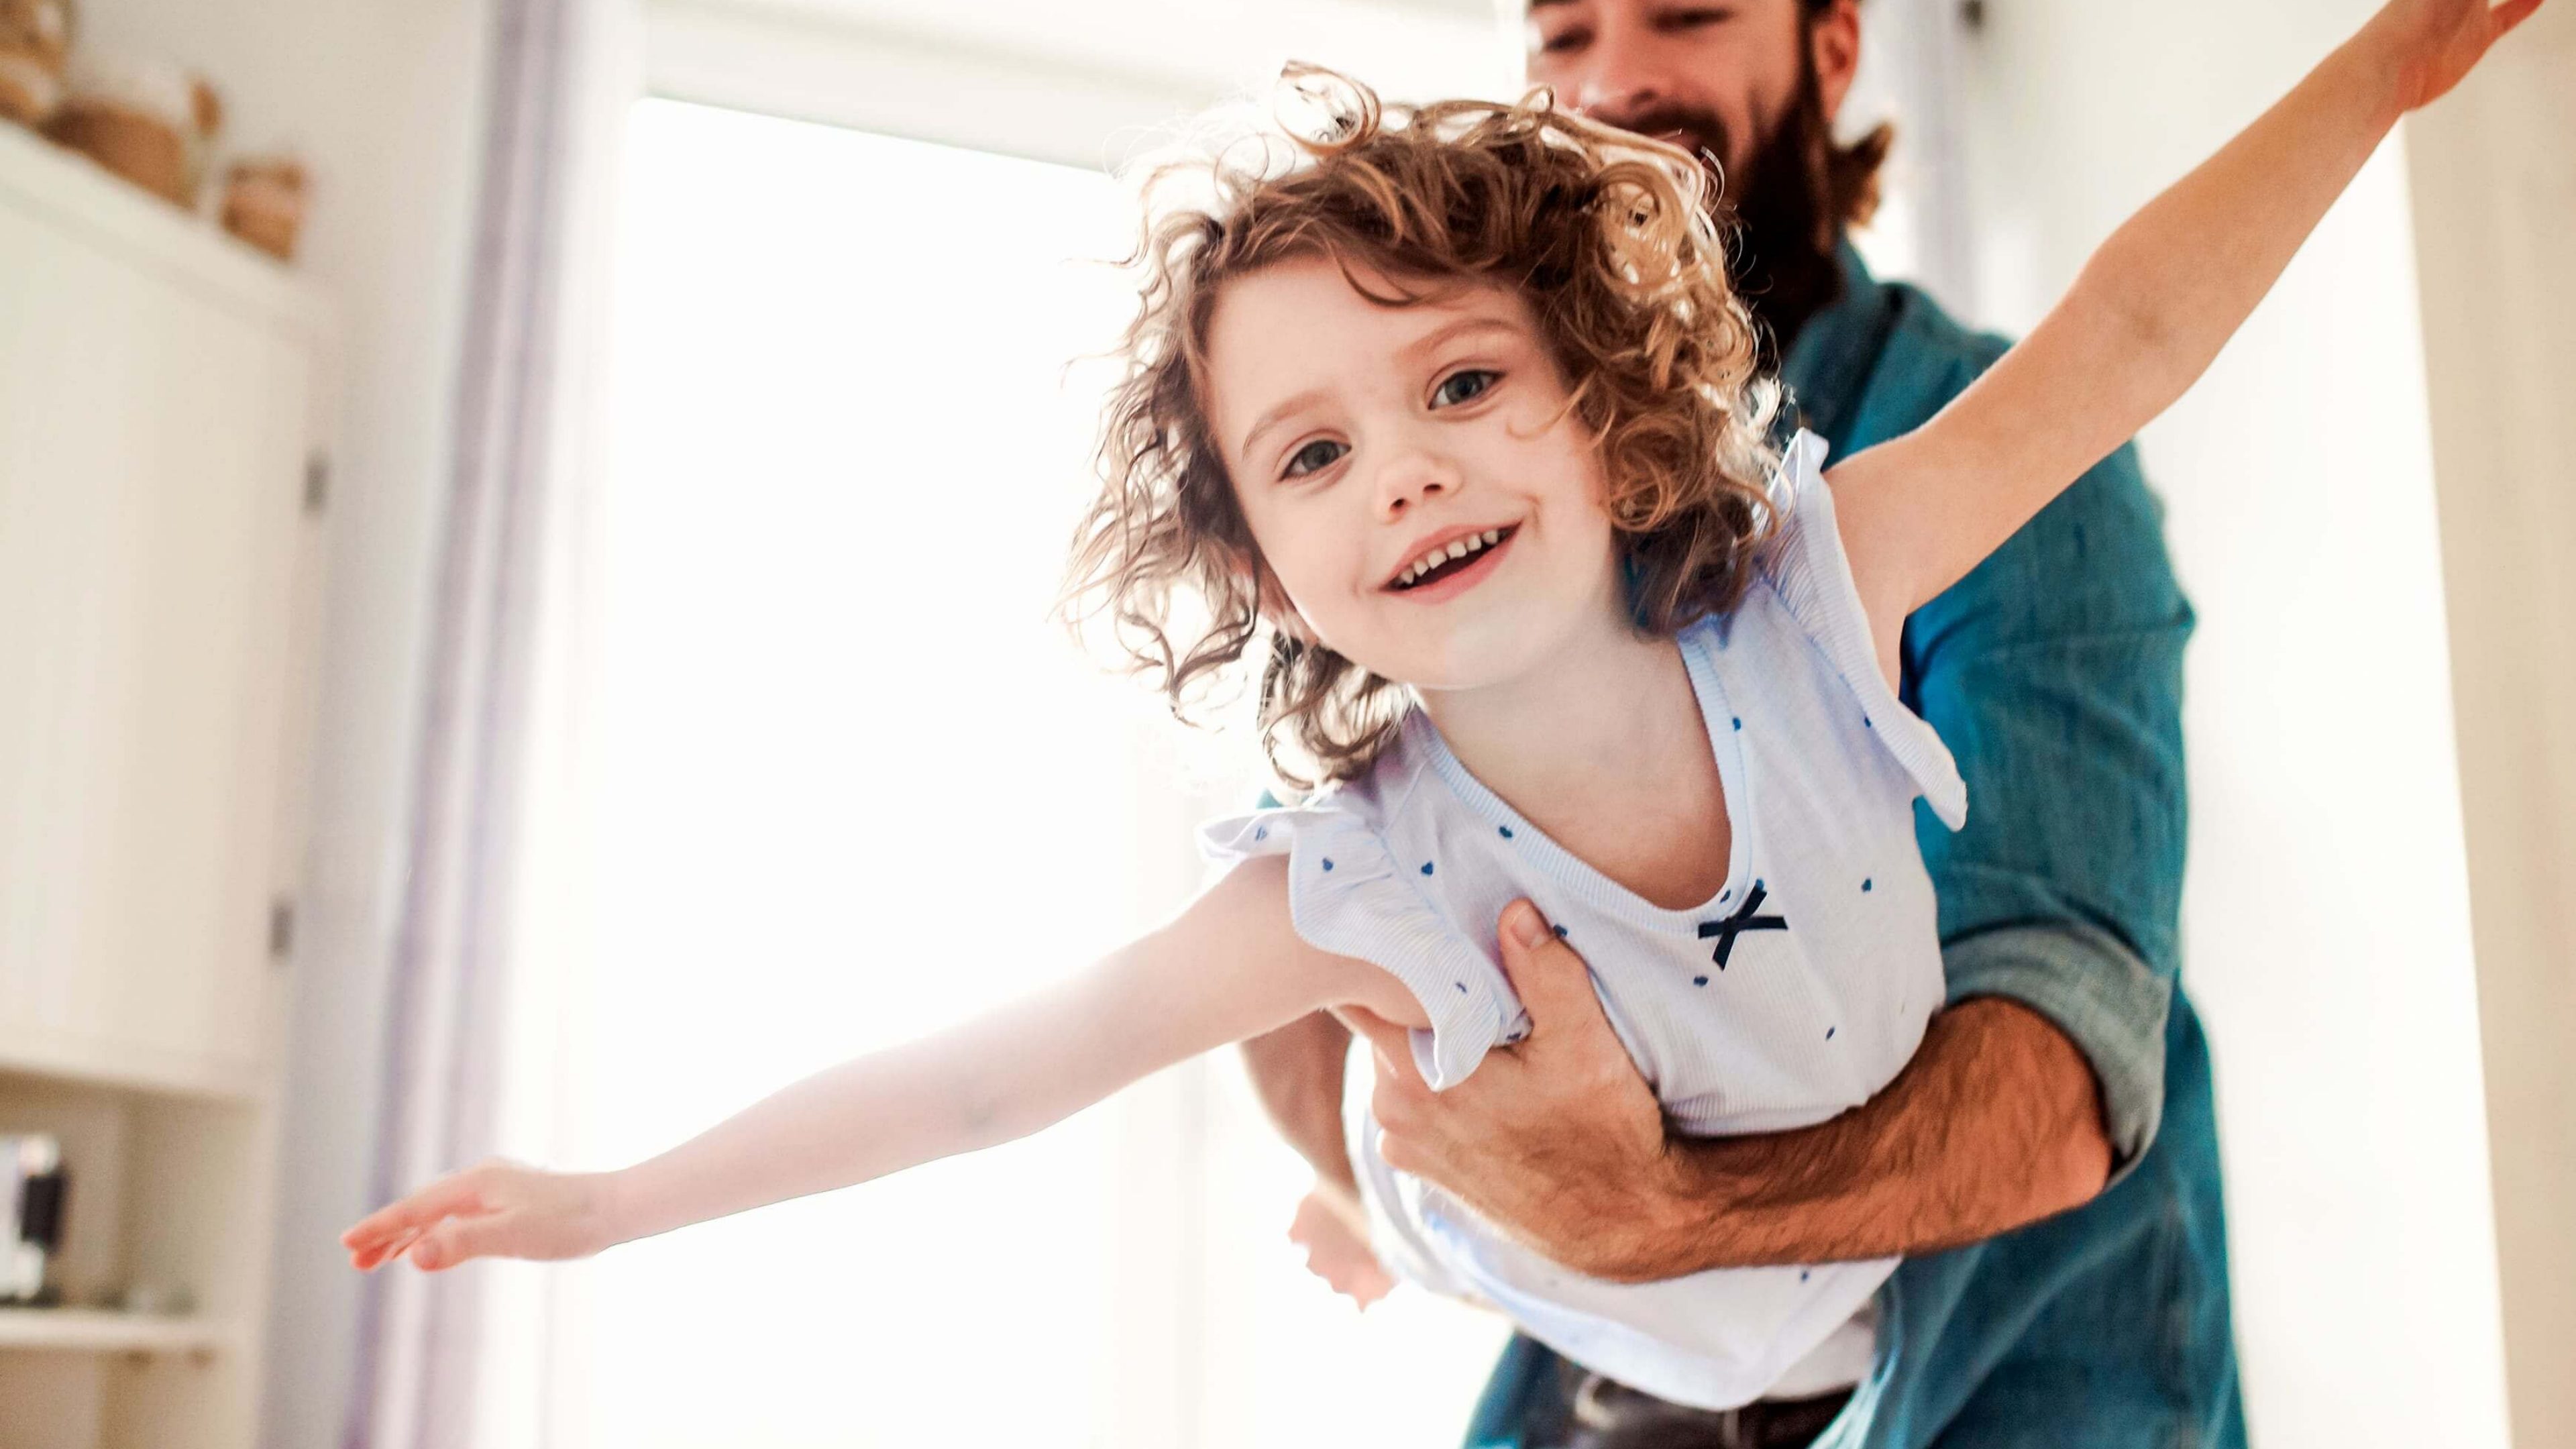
point(1606, 751)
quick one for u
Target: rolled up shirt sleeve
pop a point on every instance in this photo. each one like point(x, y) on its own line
point(2096, 991)
point(2054, 674)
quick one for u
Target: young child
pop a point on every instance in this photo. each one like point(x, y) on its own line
point(1455, 419)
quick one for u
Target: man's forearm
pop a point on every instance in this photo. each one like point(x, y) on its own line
point(1995, 1123)
point(1296, 1071)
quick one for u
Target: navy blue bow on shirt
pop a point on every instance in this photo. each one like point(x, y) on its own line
point(1743, 920)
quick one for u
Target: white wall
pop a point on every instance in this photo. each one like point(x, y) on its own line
point(380, 98)
point(2494, 184)
point(2326, 914)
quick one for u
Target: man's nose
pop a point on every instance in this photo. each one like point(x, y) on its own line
point(1618, 80)
point(1618, 102)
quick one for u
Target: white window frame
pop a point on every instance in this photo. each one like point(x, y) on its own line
point(896, 80)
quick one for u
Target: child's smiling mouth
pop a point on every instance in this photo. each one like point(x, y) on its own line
point(1452, 565)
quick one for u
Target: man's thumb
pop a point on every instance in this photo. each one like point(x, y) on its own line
point(1525, 923)
point(1545, 971)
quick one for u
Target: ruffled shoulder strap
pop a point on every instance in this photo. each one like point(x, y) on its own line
point(1806, 566)
point(1347, 895)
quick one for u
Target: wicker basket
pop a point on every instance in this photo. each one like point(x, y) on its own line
point(264, 204)
point(35, 36)
point(146, 121)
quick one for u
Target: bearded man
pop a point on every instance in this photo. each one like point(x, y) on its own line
point(2048, 1163)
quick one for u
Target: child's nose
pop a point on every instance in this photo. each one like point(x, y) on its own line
point(1413, 477)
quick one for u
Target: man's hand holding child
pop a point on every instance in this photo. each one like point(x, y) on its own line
point(1558, 1129)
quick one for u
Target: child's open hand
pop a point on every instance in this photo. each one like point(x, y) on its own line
point(495, 1209)
point(1337, 1248)
point(2438, 41)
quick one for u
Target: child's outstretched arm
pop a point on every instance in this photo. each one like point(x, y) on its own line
point(1227, 968)
point(2145, 318)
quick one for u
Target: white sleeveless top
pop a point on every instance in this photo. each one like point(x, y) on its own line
point(1797, 993)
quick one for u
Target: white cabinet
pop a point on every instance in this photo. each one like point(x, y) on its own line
point(157, 425)
point(162, 473)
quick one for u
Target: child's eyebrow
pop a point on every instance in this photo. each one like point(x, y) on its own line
point(1278, 415)
point(1435, 340)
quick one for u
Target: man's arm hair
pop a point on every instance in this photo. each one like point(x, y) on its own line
point(1996, 1123)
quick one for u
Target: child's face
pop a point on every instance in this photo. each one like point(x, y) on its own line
point(1362, 438)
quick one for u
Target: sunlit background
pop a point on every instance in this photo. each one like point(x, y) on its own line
point(854, 784)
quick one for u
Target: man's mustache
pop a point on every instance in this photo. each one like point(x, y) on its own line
point(1697, 131)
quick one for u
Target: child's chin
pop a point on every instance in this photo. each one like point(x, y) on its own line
point(1501, 639)
point(1434, 675)
point(1499, 662)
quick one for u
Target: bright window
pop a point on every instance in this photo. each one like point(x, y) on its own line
point(850, 784)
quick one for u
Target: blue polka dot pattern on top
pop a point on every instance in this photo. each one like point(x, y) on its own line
point(1864, 885)
point(1328, 862)
point(1426, 867)
point(1560, 933)
point(1699, 981)
point(1507, 831)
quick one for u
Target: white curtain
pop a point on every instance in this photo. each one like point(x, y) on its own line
point(561, 71)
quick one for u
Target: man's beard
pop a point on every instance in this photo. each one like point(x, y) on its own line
point(1782, 264)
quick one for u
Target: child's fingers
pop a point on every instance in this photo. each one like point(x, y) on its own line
point(388, 1250)
point(459, 1193)
point(366, 1252)
point(2511, 13)
point(367, 1256)
point(379, 1230)
point(1338, 1252)
point(1366, 1284)
point(458, 1240)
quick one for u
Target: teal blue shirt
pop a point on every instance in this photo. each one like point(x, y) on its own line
point(2054, 674)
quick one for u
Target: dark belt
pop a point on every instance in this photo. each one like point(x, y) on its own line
point(1606, 1414)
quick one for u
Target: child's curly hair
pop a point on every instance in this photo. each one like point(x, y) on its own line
point(1608, 238)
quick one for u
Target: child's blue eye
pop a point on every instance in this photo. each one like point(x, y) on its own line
point(1464, 385)
point(1321, 453)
